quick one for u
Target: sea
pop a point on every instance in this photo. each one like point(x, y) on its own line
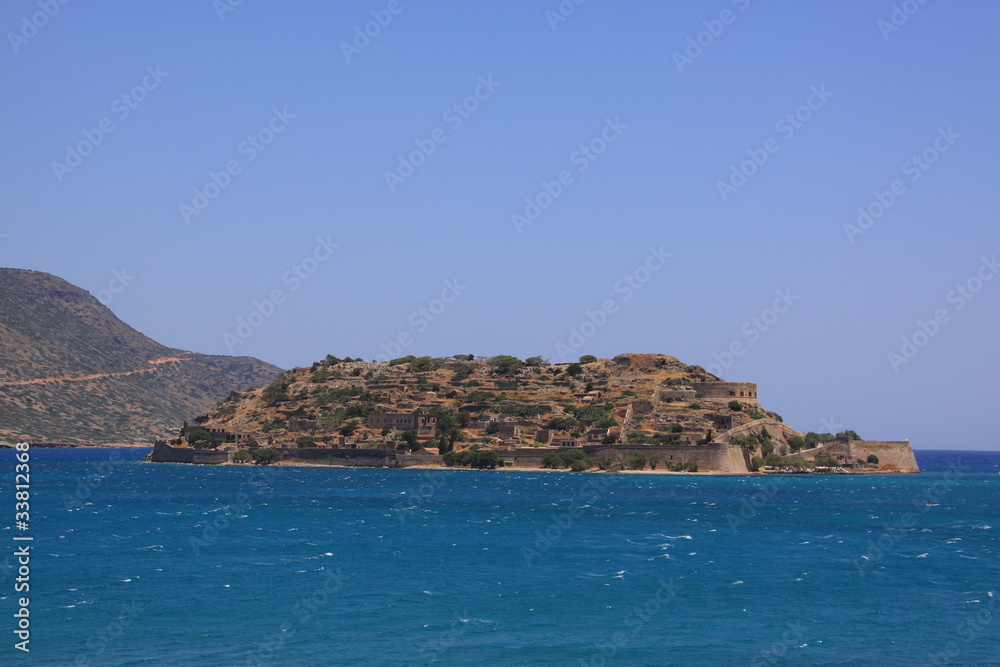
point(135, 563)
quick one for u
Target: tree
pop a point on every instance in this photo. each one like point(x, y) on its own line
point(872, 459)
point(654, 460)
point(588, 359)
point(848, 435)
point(241, 456)
point(505, 364)
point(735, 405)
point(796, 442)
point(199, 439)
point(755, 463)
point(349, 428)
point(410, 442)
point(492, 428)
point(574, 369)
point(305, 441)
point(266, 456)
point(534, 361)
point(635, 461)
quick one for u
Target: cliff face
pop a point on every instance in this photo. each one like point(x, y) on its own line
point(71, 372)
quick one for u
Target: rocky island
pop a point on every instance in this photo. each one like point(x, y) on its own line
point(635, 411)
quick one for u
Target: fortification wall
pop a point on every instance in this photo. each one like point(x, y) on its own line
point(164, 453)
point(896, 453)
point(362, 458)
point(892, 452)
point(777, 430)
point(715, 457)
point(678, 394)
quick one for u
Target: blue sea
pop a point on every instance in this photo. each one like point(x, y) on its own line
point(135, 563)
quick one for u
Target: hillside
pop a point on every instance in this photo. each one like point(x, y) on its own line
point(633, 398)
point(71, 372)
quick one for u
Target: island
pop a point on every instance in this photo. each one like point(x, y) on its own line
point(633, 412)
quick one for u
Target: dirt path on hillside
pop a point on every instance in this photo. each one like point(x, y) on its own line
point(154, 363)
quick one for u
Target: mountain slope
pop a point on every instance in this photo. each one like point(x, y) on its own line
point(72, 372)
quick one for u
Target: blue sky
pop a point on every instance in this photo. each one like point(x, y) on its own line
point(623, 124)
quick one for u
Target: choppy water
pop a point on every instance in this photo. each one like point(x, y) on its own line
point(156, 564)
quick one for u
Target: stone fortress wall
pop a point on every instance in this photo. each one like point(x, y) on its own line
point(745, 392)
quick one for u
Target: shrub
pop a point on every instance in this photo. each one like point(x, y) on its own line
point(588, 359)
point(755, 463)
point(872, 459)
point(560, 424)
point(677, 428)
point(735, 405)
point(574, 369)
point(305, 441)
point(349, 428)
point(827, 461)
point(493, 428)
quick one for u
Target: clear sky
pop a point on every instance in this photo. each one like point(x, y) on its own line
point(682, 178)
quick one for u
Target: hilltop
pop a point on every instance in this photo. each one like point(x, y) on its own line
point(71, 372)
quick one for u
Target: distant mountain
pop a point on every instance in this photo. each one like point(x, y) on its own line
point(71, 372)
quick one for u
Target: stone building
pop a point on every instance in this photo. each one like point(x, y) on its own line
point(415, 421)
point(745, 392)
